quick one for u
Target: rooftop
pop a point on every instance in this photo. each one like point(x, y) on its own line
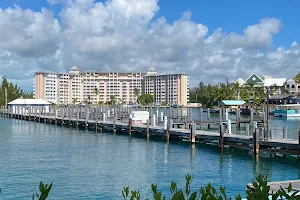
point(232, 102)
point(29, 102)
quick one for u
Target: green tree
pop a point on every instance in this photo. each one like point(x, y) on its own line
point(297, 78)
point(75, 100)
point(136, 93)
point(145, 99)
point(96, 91)
point(89, 99)
point(112, 100)
point(13, 92)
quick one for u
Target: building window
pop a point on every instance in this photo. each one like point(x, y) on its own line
point(293, 86)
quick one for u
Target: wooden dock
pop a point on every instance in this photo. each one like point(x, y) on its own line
point(108, 119)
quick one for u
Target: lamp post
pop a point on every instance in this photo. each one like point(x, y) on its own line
point(196, 98)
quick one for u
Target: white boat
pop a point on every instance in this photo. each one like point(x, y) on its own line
point(288, 110)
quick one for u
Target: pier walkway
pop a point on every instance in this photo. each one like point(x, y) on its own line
point(256, 139)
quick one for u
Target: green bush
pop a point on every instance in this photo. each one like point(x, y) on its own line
point(260, 191)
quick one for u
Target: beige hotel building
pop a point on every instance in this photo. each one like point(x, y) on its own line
point(79, 87)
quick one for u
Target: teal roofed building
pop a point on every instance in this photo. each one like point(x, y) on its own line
point(231, 103)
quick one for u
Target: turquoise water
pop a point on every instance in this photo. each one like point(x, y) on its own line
point(89, 165)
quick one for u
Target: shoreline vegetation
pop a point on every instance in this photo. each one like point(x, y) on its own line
point(10, 92)
point(259, 191)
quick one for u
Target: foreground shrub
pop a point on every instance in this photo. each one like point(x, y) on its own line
point(260, 191)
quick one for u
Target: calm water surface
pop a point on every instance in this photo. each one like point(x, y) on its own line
point(88, 165)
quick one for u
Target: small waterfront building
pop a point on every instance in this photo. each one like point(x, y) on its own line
point(25, 106)
point(284, 99)
point(231, 103)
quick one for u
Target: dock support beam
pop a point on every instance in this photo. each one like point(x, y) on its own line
point(208, 118)
point(284, 134)
point(221, 140)
point(255, 141)
point(148, 129)
point(299, 146)
point(193, 133)
point(129, 126)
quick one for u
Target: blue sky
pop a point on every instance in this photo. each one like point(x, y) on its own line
point(232, 16)
point(93, 38)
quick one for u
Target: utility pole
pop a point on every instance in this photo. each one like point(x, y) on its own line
point(267, 111)
point(5, 91)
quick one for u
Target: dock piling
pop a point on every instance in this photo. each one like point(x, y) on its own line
point(208, 118)
point(285, 132)
point(201, 118)
point(148, 128)
point(221, 139)
point(193, 133)
point(129, 126)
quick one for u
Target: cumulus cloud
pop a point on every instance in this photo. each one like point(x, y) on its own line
point(125, 35)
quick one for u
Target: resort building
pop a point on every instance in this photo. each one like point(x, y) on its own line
point(86, 87)
point(166, 88)
point(292, 86)
point(101, 87)
point(277, 84)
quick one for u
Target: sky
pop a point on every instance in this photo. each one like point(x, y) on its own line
point(210, 40)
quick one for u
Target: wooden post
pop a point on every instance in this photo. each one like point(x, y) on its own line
point(168, 128)
point(148, 129)
point(29, 112)
point(238, 119)
point(35, 113)
point(285, 132)
point(86, 116)
point(114, 125)
point(171, 123)
point(247, 129)
point(193, 133)
point(129, 126)
point(181, 112)
point(150, 114)
point(185, 122)
point(251, 116)
point(220, 116)
point(255, 141)
point(221, 140)
point(177, 113)
point(70, 115)
point(208, 118)
point(77, 115)
point(40, 113)
point(201, 118)
point(96, 119)
point(63, 115)
point(261, 133)
point(299, 145)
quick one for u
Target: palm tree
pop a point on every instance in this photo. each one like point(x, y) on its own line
point(136, 93)
point(89, 99)
point(112, 100)
point(297, 78)
point(75, 100)
point(96, 91)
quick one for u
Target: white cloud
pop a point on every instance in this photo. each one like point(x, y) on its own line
point(124, 35)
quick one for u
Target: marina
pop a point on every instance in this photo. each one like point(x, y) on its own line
point(177, 125)
point(85, 164)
